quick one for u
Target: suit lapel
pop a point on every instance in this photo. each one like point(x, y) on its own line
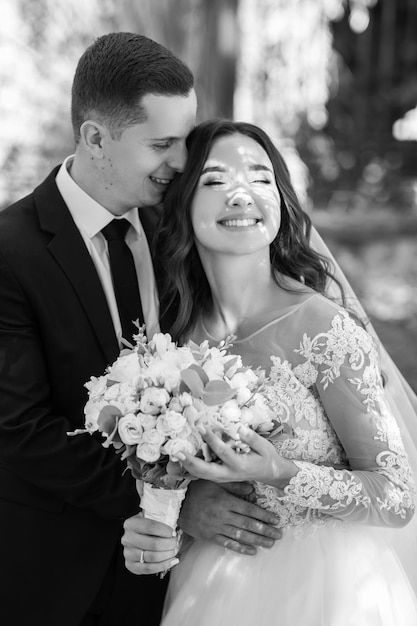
point(70, 252)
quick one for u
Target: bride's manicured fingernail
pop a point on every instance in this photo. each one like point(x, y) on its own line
point(244, 430)
point(174, 562)
point(180, 456)
point(202, 429)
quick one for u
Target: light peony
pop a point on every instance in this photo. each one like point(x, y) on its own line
point(175, 405)
point(130, 429)
point(214, 368)
point(162, 342)
point(153, 400)
point(126, 369)
point(230, 411)
point(247, 378)
point(186, 399)
point(243, 395)
point(262, 415)
point(92, 411)
point(164, 373)
point(96, 386)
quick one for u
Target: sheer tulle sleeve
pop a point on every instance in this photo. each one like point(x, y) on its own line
point(378, 487)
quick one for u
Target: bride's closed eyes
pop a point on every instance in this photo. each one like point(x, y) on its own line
point(211, 182)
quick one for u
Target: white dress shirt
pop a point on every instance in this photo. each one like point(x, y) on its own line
point(90, 217)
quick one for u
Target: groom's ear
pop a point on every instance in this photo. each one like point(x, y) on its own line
point(92, 135)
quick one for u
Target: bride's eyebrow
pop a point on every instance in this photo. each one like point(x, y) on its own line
point(213, 168)
point(257, 167)
point(254, 167)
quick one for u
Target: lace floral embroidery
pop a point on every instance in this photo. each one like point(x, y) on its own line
point(314, 445)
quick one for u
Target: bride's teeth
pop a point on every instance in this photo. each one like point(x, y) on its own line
point(242, 222)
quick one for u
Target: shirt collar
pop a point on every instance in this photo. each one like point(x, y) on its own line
point(87, 213)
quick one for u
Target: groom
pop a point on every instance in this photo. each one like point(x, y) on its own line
point(63, 500)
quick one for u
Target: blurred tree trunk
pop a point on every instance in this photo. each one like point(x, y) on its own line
point(203, 33)
point(216, 75)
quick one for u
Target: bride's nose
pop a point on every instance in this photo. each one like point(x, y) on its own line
point(239, 198)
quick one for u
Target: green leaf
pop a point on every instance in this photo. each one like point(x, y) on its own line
point(107, 419)
point(217, 392)
point(200, 371)
point(193, 381)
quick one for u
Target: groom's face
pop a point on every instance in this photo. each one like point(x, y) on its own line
point(140, 164)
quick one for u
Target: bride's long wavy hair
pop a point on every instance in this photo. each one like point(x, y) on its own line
point(185, 285)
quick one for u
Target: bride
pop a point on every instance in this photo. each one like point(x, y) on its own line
point(338, 476)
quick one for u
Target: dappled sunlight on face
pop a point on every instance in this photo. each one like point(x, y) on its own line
point(236, 207)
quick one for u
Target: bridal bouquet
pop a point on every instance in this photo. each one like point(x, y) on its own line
point(150, 403)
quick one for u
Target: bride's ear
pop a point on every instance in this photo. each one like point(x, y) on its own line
point(93, 135)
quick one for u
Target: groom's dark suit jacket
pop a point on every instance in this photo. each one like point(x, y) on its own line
point(62, 500)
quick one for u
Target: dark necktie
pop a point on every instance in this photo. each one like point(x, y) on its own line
point(125, 281)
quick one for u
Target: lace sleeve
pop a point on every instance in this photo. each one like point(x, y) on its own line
point(378, 487)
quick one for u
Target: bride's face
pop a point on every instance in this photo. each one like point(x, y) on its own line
point(236, 206)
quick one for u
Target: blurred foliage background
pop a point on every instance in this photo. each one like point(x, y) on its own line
point(333, 81)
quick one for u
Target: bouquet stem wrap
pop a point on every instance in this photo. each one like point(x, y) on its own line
point(161, 505)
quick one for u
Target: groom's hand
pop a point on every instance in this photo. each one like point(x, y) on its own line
point(148, 546)
point(220, 514)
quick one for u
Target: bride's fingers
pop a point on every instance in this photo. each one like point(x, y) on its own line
point(221, 449)
point(201, 469)
point(255, 442)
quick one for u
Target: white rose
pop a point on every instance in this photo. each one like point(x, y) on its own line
point(184, 433)
point(174, 446)
point(153, 399)
point(130, 429)
point(147, 452)
point(153, 437)
point(147, 420)
point(126, 369)
point(170, 423)
point(230, 411)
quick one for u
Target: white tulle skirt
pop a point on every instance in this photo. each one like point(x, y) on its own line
point(345, 575)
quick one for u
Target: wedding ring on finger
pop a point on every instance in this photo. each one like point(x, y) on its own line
point(142, 556)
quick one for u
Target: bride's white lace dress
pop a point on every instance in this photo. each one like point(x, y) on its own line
point(334, 565)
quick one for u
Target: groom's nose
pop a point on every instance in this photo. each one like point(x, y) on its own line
point(178, 157)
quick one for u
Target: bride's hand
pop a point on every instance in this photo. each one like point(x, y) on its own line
point(262, 463)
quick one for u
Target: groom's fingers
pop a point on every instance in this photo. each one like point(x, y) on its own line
point(146, 568)
point(245, 533)
point(147, 561)
point(141, 525)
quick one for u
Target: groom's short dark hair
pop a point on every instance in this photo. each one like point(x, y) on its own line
point(114, 74)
